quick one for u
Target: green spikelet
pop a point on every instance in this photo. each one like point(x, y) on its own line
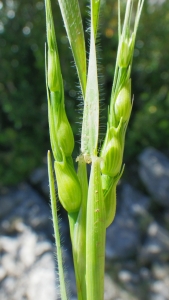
point(123, 103)
point(69, 189)
point(112, 151)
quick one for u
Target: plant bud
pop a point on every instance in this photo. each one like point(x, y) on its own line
point(110, 205)
point(65, 138)
point(112, 151)
point(112, 160)
point(123, 104)
point(110, 196)
point(53, 72)
point(54, 144)
point(60, 130)
point(69, 189)
point(126, 51)
point(54, 77)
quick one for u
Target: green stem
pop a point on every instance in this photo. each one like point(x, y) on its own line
point(95, 235)
point(72, 221)
point(56, 229)
point(78, 232)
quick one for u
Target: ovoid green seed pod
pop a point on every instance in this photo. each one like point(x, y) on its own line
point(123, 104)
point(69, 189)
point(60, 129)
point(53, 72)
point(126, 51)
point(112, 153)
point(110, 205)
point(54, 77)
point(112, 161)
point(110, 196)
point(65, 138)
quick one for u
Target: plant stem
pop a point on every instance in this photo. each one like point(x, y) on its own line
point(56, 229)
point(78, 232)
point(95, 235)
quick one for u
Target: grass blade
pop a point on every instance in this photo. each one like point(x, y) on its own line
point(73, 23)
point(90, 124)
point(95, 8)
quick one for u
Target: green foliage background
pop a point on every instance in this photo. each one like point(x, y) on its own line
point(24, 138)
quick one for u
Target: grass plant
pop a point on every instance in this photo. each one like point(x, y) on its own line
point(90, 203)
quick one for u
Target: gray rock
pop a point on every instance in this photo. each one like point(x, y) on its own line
point(160, 271)
point(154, 296)
point(125, 276)
point(160, 290)
point(154, 172)
point(156, 245)
point(42, 279)
point(132, 202)
point(123, 238)
point(114, 292)
point(28, 266)
point(24, 204)
point(123, 235)
point(159, 285)
point(39, 179)
point(144, 273)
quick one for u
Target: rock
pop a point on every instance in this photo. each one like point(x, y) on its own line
point(159, 285)
point(154, 296)
point(156, 245)
point(123, 235)
point(154, 172)
point(132, 201)
point(123, 238)
point(160, 290)
point(110, 290)
point(114, 292)
point(160, 270)
point(39, 179)
point(126, 276)
point(144, 273)
point(27, 208)
point(27, 269)
point(42, 279)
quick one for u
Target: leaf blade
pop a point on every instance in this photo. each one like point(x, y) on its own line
point(95, 9)
point(73, 23)
point(90, 124)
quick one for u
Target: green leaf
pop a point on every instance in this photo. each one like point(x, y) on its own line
point(90, 124)
point(95, 8)
point(73, 23)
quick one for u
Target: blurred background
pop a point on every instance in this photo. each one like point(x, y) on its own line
point(138, 266)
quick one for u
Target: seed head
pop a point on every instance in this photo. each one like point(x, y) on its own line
point(64, 133)
point(53, 72)
point(54, 77)
point(123, 103)
point(112, 152)
point(126, 51)
point(69, 189)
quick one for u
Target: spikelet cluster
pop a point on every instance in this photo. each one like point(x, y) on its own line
point(61, 135)
point(118, 115)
